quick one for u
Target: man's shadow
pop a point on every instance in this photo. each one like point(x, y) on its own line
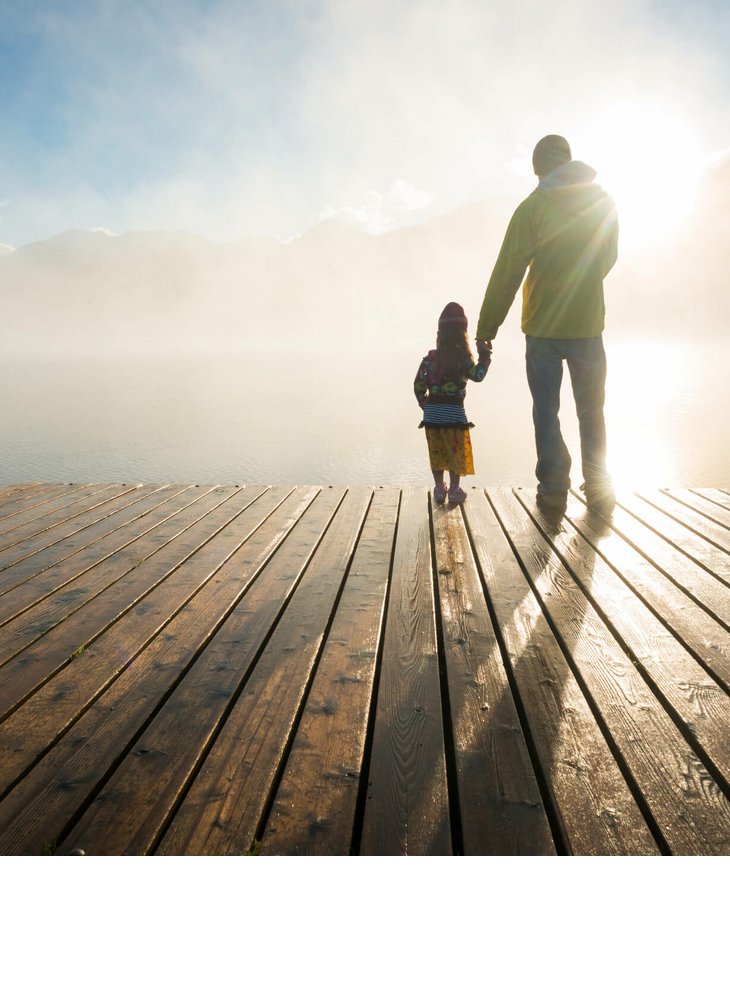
point(538, 611)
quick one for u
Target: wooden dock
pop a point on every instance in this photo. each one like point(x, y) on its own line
point(302, 670)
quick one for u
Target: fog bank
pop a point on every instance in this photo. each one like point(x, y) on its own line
point(335, 287)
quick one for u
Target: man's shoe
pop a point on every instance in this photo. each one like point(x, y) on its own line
point(602, 500)
point(439, 494)
point(552, 500)
point(602, 504)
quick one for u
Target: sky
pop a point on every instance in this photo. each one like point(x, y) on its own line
point(230, 119)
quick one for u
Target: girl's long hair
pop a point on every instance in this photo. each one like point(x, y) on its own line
point(452, 342)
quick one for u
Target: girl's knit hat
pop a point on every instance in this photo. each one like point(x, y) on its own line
point(453, 313)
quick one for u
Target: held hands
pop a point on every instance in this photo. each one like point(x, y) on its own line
point(484, 349)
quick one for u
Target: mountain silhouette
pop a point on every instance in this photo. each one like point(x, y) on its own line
point(334, 285)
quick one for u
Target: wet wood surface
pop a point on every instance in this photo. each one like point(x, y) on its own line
point(283, 670)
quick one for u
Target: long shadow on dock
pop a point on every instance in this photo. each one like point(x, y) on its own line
point(586, 798)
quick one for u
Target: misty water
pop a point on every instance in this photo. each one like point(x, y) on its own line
point(344, 417)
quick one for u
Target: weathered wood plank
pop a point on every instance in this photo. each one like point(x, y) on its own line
point(179, 538)
point(594, 809)
point(25, 594)
point(695, 701)
point(49, 712)
point(46, 801)
point(714, 560)
point(123, 620)
point(690, 810)
point(43, 493)
point(131, 810)
point(46, 528)
point(39, 518)
point(224, 806)
point(500, 807)
point(718, 535)
point(17, 633)
point(16, 492)
point(705, 638)
point(718, 514)
point(407, 806)
point(688, 575)
point(36, 554)
point(315, 808)
point(715, 495)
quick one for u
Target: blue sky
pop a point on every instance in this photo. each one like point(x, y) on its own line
point(231, 118)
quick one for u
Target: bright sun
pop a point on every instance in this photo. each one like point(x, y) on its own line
point(650, 162)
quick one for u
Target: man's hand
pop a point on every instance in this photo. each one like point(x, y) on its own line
point(484, 348)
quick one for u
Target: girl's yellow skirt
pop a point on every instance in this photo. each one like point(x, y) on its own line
point(450, 449)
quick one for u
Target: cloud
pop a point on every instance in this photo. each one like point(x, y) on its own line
point(407, 197)
point(369, 216)
point(375, 214)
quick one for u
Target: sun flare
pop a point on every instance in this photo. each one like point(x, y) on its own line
point(649, 160)
point(646, 384)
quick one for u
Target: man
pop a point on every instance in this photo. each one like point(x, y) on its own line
point(566, 234)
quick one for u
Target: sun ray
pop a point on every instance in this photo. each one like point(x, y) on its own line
point(650, 161)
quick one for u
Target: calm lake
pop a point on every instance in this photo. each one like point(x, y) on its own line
point(344, 417)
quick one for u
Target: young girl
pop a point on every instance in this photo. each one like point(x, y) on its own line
point(440, 388)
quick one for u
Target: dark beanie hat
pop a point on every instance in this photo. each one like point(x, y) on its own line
point(453, 313)
point(549, 153)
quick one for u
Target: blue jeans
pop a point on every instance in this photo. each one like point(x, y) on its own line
point(586, 361)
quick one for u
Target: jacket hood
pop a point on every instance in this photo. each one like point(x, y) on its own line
point(571, 186)
point(571, 173)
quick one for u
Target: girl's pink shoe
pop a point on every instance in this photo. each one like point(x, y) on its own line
point(456, 495)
